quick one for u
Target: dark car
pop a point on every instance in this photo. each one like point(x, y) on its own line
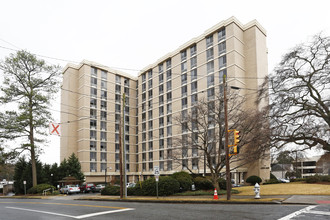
point(87, 187)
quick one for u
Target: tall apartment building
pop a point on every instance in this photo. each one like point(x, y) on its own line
point(91, 103)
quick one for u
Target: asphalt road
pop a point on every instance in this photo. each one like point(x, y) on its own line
point(35, 209)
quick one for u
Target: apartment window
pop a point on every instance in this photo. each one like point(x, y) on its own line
point(117, 98)
point(144, 136)
point(126, 91)
point(169, 96)
point(144, 107)
point(150, 125)
point(169, 120)
point(193, 62)
point(210, 67)
point(161, 89)
point(143, 116)
point(169, 165)
point(144, 97)
point(92, 167)
point(103, 94)
point(184, 164)
point(103, 146)
point(144, 147)
point(169, 142)
point(161, 100)
point(210, 80)
point(209, 40)
point(92, 113)
point(118, 89)
point(150, 84)
point(222, 61)
point(161, 132)
point(161, 77)
point(169, 108)
point(149, 74)
point(161, 155)
point(117, 107)
point(168, 85)
point(184, 90)
point(103, 84)
point(93, 92)
point(103, 115)
point(194, 99)
point(150, 94)
point(209, 54)
point(126, 82)
point(144, 126)
point(93, 103)
point(150, 114)
point(161, 122)
point(151, 145)
point(221, 34)
point(210, 93)
point(161, 143)
point(118, 79)
point(184, 102)
point(94, 71)
point(169, 131)
point(195, 164)
point(160, 68)
point(194, 151)
point(144, 77)
point(183, 67)
point(184, 127)
point(183, 55)
point(92, 145)
point(104, 74)
point(92, 134)
point(144, 87)
point(193, 74)
point(93, 81)
point(103, 136)
point(92, 124)
point(222, 48)
point(151, 166)
point(184, 115)
point(168, 74)
point(194, 87)
point(103, 167)
point(168, 64)
point(193, 50)
point(184, 78)
point(161, 110)
point(103, 105)
point(103, 125)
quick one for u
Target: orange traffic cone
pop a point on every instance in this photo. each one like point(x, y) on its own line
point(215, 194)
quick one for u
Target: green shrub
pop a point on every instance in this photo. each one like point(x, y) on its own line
point(201, 183)
point(253, 180)
point(325, 178)
point(272, 177)
point(313, 179)
point(271, 181)
point(298, 180)
point(222, 183)
point(111, 190)
point(168, 186)
point(39, 188)
point(184, 179)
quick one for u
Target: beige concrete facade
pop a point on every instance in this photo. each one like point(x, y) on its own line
point(161, 91)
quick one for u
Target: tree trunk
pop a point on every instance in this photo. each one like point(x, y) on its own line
point(32, 148)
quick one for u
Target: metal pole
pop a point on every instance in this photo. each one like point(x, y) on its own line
point(124, 145)
point(120, 163)
point(105, 177)
point(228, 181)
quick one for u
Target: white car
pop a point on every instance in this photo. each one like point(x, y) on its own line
point(284, 180)
point(70, 189)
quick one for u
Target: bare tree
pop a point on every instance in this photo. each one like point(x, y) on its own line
point(203, 132)
point(300, 96)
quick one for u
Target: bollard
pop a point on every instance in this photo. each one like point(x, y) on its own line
point(257, 191)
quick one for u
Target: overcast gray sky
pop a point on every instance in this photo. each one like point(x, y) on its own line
point(130, 34)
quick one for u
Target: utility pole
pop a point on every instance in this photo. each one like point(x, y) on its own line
point(120, 162)
point(124, 147)
point(228, 180)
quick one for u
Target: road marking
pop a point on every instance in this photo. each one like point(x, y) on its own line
point(71, 216)
point(295, 214)
point(319, 212)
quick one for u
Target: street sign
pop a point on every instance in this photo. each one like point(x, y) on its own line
point(156, 170)
point(54, 128)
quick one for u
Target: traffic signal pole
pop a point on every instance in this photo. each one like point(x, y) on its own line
point(228, 180)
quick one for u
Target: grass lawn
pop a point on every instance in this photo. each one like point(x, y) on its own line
point(294, 188)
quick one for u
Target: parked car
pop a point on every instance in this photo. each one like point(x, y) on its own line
point(87, 187)
point(70, 189)
point(129, 185)
point(284, 180)
point(99, 187)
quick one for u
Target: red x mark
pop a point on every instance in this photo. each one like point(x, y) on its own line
point(55, 129)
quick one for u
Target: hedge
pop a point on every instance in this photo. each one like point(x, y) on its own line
point(201, 183)
point(184, 179)
point(253, 180)
point(39, 188)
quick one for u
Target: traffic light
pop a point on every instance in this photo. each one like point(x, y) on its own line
point(236, 137)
